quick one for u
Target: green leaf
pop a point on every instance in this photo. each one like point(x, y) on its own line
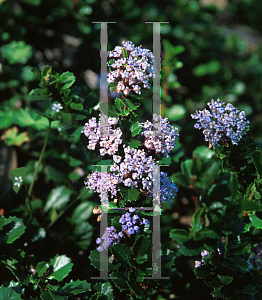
point(206, 233)
point(105, 289)
point(25, 118)
point(14, 228)
point(37, 94)
point(36, 72)
point(83, 235)
point(129, 194)
point(67, 79)
point(46, 72)
point(124, 53)
point(61, 267)
point(196, 224)
point(107, 162)
point(247, 205)
point(176, 112)
point(122, 254)
point(241, 248)
point(203, 152)
point(82, 213)
point(18, 176)
point(58, 198)
point(211, 67)
point(76, 106)
point(256, 222)
point(226, 279)
point(135, 129)
point(46, 296)
point(16, 52)
point(129, 104)
point(76, 287)
point(235, 263)
point(12, 138)
point(141, 247)
point(134, 144)
point(179, 235)
point(8, 293)
point(6, 118)
point(108, 109)
point(95, 258)
point(138, 292)
point(257, 159)
point(121, 281)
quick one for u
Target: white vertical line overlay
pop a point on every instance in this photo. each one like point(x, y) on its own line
point(104, 132)
point(156, 107)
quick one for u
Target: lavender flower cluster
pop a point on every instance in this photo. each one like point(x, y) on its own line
point(131, 224)
point(136, 166)
point(108, 143)
point(133, 72)
point(221, 123)
point(165, 141)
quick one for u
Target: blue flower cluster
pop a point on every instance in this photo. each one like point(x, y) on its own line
point(221, 122)
point(168, 189)
point(131, 224)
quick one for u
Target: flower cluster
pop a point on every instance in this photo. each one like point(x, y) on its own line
point(168, 189)
point(221, 123)
point(131, 224)
point(132, 72)
point(96, 182)
point(165, 140)
point(110, 237)
point(134, 167)
point(108, 143)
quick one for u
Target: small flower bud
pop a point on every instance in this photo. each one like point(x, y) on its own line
point(96, 210)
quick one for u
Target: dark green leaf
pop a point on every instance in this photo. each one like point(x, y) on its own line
point(122, 254)
point(8, 293)
point(76, 287)
point(179, 235)
point(247, 205)
point(37, 94)
point(18, 176)
point(15, 228)
point(96, 258)
point(141, 246)
point(129, 194)
point(226, 279)
point(121, 281)
point(257, 159)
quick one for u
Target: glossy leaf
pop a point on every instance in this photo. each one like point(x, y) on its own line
point(58, 198)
